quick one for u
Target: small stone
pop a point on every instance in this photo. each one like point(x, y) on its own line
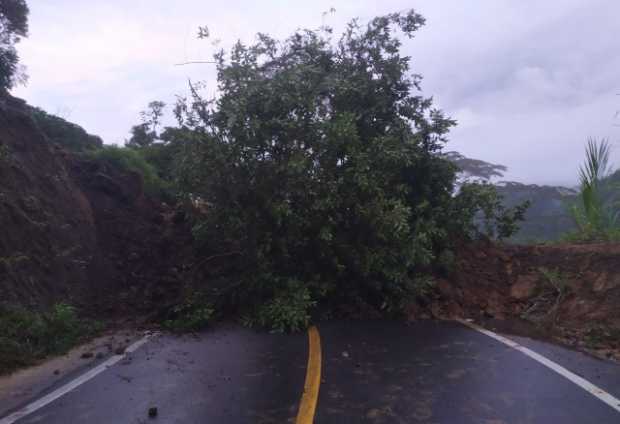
point(345, 354)
point(56, 372)
point(153, 412)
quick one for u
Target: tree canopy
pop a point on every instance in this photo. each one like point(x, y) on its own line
point(13, 26)
point(319, 163)
point(319, 167)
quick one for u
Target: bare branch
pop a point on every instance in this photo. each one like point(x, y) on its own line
point(195, 62)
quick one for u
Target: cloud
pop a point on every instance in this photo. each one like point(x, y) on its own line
point(527, 80)
point(537, 89)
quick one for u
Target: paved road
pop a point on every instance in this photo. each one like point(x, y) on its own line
point(371, 372)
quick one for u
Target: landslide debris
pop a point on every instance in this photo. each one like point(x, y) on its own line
point(568, 293)
point(79, 230)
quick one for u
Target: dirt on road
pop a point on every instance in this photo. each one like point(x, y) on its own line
point(569, 293)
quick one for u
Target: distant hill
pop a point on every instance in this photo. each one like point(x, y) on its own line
point(546, 219)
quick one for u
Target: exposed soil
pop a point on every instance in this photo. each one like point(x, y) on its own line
point(75, 230)
point(567, 293)
point(145, 246)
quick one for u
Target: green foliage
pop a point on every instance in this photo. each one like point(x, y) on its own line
point(595, 220)
point(146, 133)
point(288, 309)
point(159, 148)
point(27, 336)
point(446, 262)
point(163, 155)
point(478, 210)
point(425, 286)
point(132, 160)
point(601, 336)
point(5, 154)
point(319, 161)
point(304, 161)
point(195, 313)
point(65, 133)
point(13, 26)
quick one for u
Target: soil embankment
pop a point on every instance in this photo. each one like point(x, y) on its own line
point(569, 293)
point(74, 229)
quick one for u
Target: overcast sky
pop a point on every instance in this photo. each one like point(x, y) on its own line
point(528, 80)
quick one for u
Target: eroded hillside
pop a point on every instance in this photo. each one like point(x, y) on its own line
point(78, 230)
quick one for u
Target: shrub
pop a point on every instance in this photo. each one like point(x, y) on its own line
point(65, 133)
point(478, 211)
point(27, 336)
point(132, 160)
point(195, 313)
point(288, 309)
point(320, 162)
point(595, 220)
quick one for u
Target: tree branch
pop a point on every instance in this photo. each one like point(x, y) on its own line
point(195, 62)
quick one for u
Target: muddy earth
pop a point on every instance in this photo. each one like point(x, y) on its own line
point(73, 229)
point(567, 293)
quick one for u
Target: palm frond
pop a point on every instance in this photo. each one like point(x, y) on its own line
point(596, 166)
point(591, 216)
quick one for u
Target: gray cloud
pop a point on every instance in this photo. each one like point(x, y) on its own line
point(527, 80)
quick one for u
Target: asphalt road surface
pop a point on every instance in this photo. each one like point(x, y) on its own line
point(365, 372)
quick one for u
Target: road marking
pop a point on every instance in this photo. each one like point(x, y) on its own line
point(594, 390)
point(310, 397)
point(63, 390)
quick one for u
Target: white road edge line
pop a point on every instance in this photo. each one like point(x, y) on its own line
point(594, 390)
point(63, 390)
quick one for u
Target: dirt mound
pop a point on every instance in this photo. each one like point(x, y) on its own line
point(79, 231)
point(570, 293)
point(144, 245)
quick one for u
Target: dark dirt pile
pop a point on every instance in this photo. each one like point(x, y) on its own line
point(569, 293)
point(75, 230)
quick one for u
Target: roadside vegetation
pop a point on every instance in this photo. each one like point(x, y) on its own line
point(194, 313)
point(596, 213)
point(129, 159)
point(65, 133)
point(27, 336)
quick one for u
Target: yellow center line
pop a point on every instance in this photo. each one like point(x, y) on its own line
point(310, 397)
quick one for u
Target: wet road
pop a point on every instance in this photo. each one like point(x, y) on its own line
point(371, 372)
